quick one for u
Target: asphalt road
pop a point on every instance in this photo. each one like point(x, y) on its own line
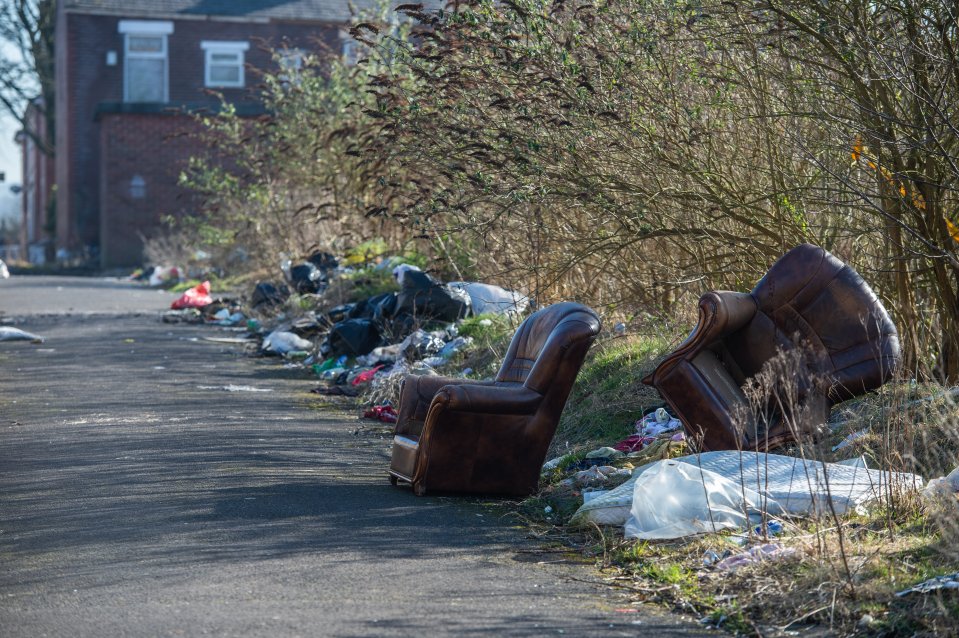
point(139, 496)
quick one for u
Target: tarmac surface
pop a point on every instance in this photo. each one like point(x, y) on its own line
point(153, 483)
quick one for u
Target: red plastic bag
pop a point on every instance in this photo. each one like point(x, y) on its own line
point(366, 376)
point(195, 297)
point(384, 413)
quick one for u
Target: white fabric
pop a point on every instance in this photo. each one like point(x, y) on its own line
point(486, 298)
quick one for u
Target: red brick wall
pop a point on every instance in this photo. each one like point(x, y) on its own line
point(156, 148)
point(87, 82)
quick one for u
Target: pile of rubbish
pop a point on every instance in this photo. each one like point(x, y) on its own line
point(368, 343)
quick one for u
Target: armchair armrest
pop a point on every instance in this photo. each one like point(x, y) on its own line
point(415, 397)
point(721, 313)
point(488, 399)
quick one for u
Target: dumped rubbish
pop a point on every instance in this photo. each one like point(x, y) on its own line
point(234, 388)
point(9, 333)
point(224, 317)
point(943, 486)
point(421, 344)
point(760, 553)
point(657, 423)
point(285, 342)
point(4, 271)
point(423, 298)
point(351, 337)
point(196, 297)
point(674, 499)
point(187, 315)
point(634, 443)
point(400, 271)
point(600, 475)
point(306, 278)
point(605, 453)
point(164, 276)
point(366, 376)
point(798, 486)
point(267, 295)
point(384, 413)
point(949, 581)
point(336, 390)
point(486, 298)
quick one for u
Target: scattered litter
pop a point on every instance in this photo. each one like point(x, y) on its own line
point(600, 475)
point(239, 340)
point(657, 423)
point(195, 297)
point(634, 443)
point(366, 376)
point(224, 317)
point(4, 271)
point(949, 581)
point(943, 486)
point(282, 342)
point(490, 299)
point(164, 276)
point(9, 333)
point(234, 388)
point(384, 413)
point(187, 315)
point(605, 453)
point(552, 464)
point(758, 554)
point(797, 485)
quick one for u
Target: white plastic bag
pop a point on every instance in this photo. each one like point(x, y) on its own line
point(674, 499)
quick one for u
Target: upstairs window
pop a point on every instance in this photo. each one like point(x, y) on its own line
point(224, 64)
point(145, 65)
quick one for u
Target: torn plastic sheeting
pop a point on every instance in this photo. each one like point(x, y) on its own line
point(9, 333)
point(674, 499)
point(949, 581)
point(421, 344)
point(196, 297)
point(487, 298)
point(784, 480)
point(758, 554)
point(283, 342)
point(366, 376)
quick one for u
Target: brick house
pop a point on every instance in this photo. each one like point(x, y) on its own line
point(128, 74)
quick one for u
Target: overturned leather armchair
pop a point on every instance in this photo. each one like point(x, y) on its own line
point(458, 435)
point(810, 300)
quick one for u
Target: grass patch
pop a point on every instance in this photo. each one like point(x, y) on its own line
point(609, 395)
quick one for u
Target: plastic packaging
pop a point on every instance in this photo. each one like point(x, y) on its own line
point(677, 499)
point(283, 342)
point(195, 297)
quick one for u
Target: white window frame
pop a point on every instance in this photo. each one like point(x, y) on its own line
point(237, 48)
point(146, 28)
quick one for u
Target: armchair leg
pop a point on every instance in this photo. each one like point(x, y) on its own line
point(393, 480)
point(419, 489)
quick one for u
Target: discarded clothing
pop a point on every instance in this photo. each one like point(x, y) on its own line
point(656, 423)
point(634, 443)
point(384, 413)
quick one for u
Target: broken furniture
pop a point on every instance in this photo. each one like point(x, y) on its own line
point(809, 299)
point(460, 435)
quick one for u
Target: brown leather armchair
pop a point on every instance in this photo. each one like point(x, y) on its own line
point(458, 435)
point(808, 299)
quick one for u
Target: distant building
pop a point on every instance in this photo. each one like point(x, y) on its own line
point(127, 74)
